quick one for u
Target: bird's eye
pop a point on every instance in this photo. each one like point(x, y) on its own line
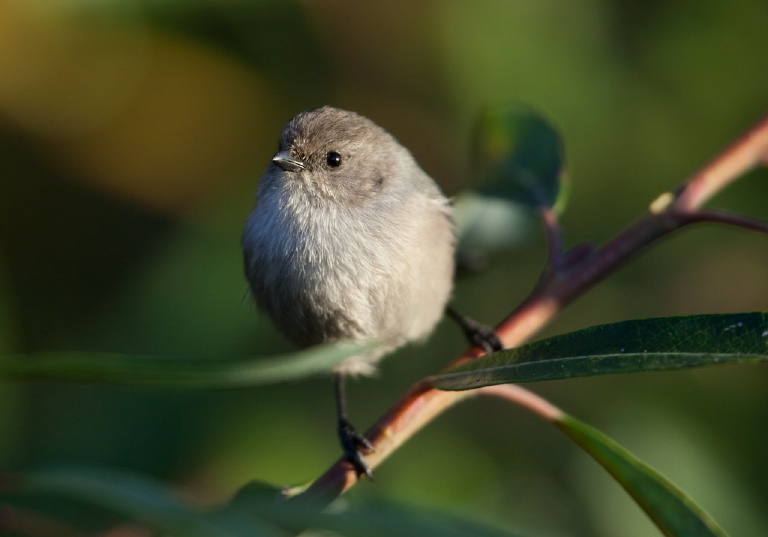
point(333, 159)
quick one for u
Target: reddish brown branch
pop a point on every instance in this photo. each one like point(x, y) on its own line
point(554, 240)
point(526, 399)
point(669, 212)
point(748, 151)
point(727, 218)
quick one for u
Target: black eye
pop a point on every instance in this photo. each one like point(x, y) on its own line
point(333, 159)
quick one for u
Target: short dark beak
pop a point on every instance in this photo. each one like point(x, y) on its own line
point(284, 160)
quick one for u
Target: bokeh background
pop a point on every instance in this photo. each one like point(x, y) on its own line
point(132, 135)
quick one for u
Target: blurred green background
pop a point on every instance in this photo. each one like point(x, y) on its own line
point(132, 135)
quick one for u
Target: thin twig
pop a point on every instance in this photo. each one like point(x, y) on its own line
point(524, 398)
point(715, 216)
point(554, 240)
point(749, 150)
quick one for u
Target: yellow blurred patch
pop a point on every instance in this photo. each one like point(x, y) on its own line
point(148, 116)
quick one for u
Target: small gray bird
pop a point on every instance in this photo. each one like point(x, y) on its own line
point(349, 239)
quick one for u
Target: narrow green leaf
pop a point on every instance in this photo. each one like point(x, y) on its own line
point(140, 499)
point(383, 519)
point(177, 372)
point(376, 518)
point(520, 158)
point(155, 506)
point(627, 347)
point(671, 510)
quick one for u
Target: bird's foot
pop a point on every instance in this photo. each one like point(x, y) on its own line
point(478, 334)
point(355, 445)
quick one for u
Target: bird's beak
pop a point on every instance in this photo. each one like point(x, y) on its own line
point(284, 160)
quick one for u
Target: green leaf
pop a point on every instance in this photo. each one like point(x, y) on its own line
point(519, 156)
point(177, 372)
point(487, 224)
point(140, 499)
point(671, 510)
point(154, 505)
point(384, 519)
point(626, 347)
point(377, 518)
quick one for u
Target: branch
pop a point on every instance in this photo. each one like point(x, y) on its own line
point(724, 217)
point(746, 153)
point(526, 399)
point(554, 241)
point(668, 213)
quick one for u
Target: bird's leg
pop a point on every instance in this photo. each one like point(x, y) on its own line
point(352, 443)
point(478, 334)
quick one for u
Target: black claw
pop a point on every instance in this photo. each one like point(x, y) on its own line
point(485, 338)
point(478, 334)
point(355, 445)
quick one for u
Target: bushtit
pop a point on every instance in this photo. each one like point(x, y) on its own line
point(349, 239)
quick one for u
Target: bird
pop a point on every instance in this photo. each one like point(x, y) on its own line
point(349, 239)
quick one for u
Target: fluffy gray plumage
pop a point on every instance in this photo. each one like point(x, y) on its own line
point(363, 250)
